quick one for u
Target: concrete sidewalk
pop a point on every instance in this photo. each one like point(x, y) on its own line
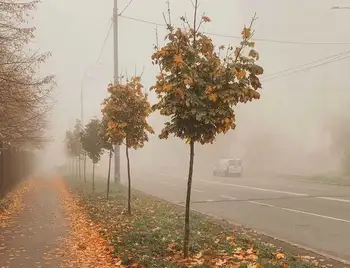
point(35, 231)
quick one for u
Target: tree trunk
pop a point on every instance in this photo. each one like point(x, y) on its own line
point(79, 159)
point(93, 176)
point(129, 180)
point(188, 202)
point(85, 167)
point(72, 166)
point(109, 172)
point(76, 168)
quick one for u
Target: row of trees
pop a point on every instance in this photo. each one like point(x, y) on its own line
point(197, 88)
point(25, 94)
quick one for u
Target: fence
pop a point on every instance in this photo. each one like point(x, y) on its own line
point(15, 165)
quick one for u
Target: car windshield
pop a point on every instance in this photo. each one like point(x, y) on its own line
point(234, 162)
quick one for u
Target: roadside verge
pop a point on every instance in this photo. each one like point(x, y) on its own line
point(152, 235)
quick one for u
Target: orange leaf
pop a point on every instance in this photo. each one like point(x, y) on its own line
point(167, 87)
point(209, 89)
point(178, 59)
point(213, 97)
point(206, 19)
point(280, 256)
point(240, 74)
point(246, 33)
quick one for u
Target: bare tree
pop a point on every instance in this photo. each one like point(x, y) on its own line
point(25, 96)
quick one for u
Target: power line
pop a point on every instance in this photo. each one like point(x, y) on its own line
point(105, 41)
point(269, 77)
point(143, 21)
point(125, 8)
point(309, 68)
point(238, 37)
point(306, 64)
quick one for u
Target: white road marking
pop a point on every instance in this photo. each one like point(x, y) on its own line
point(227, 197)
point(167, 174)
point(334, 199)
point(300, 211)
point(168, 184)
point(254, 188)
point(209, 200)
point(198, 191)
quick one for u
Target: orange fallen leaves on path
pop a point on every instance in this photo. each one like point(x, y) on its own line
point(15, 202)
point(85, 247)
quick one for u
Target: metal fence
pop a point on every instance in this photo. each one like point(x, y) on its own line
point(16, 164)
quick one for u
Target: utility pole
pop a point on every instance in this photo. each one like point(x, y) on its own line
point(116, 81)
point(82, 118)
point(82, 103)
point(81, 122)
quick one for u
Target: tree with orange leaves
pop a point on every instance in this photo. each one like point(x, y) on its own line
point(198, 88)
point(126, 111)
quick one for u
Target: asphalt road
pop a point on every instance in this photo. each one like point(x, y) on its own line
point(312, 215)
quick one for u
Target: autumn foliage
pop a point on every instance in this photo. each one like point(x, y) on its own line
point(198, 88)
point(126, 111)
point(199, 85)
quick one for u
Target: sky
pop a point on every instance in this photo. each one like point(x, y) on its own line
point(293, 111)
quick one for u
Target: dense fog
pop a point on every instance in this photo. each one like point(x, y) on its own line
point(293, 129)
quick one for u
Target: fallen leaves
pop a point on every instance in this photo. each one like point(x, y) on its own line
point(85, 247)
point(152, 236)
point(213, 97)
point(14, 201)
point(280, 256)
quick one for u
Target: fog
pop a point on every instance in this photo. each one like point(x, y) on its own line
point(290, 130)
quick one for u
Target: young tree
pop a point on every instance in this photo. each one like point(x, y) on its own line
point(91, 143)
point(108, 146)
point(69, 142)
point(78, 150)
point(198, 88)
point(126, 111)
point(73, 146)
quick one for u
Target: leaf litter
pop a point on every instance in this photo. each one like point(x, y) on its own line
point(13, 202)
point(153, 235)
point(84, 247)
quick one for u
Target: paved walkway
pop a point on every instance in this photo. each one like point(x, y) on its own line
point(35, 231)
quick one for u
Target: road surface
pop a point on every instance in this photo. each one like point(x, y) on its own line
point(312, 215)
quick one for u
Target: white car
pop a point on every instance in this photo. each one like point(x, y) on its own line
point(229, 167)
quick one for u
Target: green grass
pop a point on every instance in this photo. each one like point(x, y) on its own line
point(153, 235)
